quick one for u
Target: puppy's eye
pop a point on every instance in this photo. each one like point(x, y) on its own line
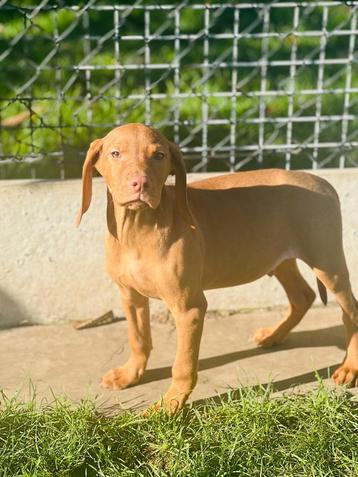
point(115, 154)
point(159, 155)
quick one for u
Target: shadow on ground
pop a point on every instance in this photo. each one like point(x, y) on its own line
point(11, 313)
point(296, 339)
point(275, 386)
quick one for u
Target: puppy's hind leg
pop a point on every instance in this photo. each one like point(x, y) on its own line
point(337, 281)
point(300, 296)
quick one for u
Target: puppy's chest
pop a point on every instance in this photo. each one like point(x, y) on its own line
point(140, 271)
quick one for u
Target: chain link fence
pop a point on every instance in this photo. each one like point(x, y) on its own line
point(237, 85)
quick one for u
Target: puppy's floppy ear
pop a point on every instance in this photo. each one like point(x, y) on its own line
point(180, 184)
point(87, 171)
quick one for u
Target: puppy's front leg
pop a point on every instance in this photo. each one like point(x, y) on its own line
point(189, 318)
point(136, 308)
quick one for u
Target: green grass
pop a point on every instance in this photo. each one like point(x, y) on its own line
point(250, 434)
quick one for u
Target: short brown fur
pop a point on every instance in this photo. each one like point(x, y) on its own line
point(173, 243)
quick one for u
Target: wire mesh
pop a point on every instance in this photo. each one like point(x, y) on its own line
point(236, 85)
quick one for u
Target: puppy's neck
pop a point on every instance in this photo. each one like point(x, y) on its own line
point(132, 227)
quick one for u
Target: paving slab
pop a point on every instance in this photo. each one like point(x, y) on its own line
point(57, 359)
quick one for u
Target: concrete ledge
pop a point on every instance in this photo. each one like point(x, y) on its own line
point(50, 271)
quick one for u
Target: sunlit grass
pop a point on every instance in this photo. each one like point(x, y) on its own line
point(250, 434)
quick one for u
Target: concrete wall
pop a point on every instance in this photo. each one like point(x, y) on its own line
point(50, 271)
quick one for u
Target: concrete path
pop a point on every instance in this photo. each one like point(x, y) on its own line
point(60, 359)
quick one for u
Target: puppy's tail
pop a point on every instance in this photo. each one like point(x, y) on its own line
point(322, 291)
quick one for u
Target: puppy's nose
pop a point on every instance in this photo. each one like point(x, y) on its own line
point(139, 183)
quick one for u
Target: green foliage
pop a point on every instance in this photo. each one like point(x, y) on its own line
point(71, 106)
point(250, 434)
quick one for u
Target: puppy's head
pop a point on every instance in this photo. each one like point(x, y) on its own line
point(135, 161)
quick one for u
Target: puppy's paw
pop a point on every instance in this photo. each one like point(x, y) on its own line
point(346, 374)
point(267, 337)
point(120, 378)
point(153, 409)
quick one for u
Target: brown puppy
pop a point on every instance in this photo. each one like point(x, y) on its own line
point(172, 243)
